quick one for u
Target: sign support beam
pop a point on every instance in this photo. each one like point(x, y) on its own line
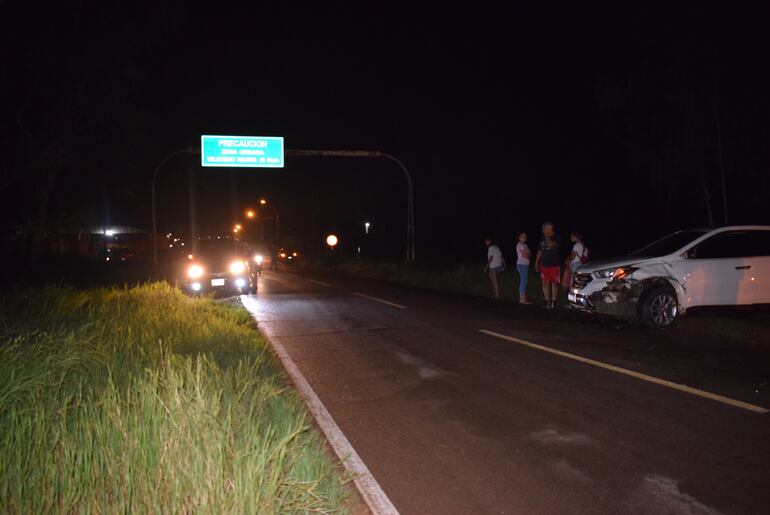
point(410, 239)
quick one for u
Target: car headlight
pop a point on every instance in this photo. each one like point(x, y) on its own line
point(194, 271)
point(258, 259)
point(615, 273)
point(237, 267)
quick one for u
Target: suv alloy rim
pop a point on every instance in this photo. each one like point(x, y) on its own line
point(663, 309)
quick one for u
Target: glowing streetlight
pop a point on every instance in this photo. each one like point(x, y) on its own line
point(250, 214)
point(331, 240)
point(262, 201)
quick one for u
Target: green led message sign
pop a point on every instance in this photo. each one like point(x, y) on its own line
point(242, 151)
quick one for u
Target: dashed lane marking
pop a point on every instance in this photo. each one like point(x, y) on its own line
point(638, 375)
point(375, 299)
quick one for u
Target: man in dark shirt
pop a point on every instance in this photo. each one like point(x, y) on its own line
point(547, 263)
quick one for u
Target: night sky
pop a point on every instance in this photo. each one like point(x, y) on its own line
point(614, 120)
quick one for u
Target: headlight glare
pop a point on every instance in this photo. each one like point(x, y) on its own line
point(194, 271)
point(258, 259)
point(237, 267)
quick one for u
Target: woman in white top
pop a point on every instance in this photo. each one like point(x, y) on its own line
point(577, 257)
point(523, 258)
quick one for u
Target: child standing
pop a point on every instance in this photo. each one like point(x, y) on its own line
point(523, 258)
point(495, 265)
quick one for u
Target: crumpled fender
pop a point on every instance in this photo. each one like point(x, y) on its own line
point(621, 297)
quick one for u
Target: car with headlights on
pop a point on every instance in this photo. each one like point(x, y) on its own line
point(220, 265)
point(727, 266)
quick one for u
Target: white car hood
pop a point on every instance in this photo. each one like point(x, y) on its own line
point(604, 264)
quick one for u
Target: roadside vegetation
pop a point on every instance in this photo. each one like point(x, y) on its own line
point(141, 400)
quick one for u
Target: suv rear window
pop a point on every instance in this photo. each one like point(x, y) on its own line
point(734, 244)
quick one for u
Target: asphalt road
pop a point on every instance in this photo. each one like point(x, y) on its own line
point(452, 420)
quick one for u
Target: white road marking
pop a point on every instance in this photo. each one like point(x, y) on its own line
point(631, 373)
point(375, 498)
point(319, 282)
point(379, 300)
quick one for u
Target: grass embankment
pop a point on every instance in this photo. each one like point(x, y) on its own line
point(143, 400)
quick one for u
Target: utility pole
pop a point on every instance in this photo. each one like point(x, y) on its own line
point(154, 209)
point(191, 187)
point(410, 238)
point(721, 163)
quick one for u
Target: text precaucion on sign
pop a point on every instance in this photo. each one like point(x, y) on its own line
point(242, 151)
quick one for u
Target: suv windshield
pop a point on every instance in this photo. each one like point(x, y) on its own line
point(218, 247)
point(669, 244)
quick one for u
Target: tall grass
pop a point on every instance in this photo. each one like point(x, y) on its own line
point(143, 400)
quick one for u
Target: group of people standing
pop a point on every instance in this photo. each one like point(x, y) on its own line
point(547, 263)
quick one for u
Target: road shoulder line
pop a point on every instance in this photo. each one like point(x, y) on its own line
point(319, 282)
point(375, 299)
point(638, 375)
point(374, 496)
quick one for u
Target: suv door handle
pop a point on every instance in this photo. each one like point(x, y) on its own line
point(746, 267)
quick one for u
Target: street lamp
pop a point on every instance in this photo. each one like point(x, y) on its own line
point(262, 201)
point(250, 214)
point(332, 240)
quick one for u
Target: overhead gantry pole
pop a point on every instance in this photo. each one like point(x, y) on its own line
point(410, 238)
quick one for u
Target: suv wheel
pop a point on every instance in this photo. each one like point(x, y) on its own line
point(660, 307)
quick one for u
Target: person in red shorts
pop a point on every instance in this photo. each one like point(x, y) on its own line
point(547, 263)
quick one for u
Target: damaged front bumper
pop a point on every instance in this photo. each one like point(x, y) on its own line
point(605, 297)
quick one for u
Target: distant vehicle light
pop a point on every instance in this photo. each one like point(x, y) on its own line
point(258, 259)
point(195, 271)
point(108, 258)
point(237, 267)
point(294, 254)
point(196, 286)
point(291, 257)
point(282, 254)
point(189, 256)
point(109, 232)
point(240, 282)
point(331, 240)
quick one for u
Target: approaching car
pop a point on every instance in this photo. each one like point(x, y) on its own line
point(728, 266)
point(220, 265)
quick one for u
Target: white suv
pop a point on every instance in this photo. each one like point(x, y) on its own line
point(729, 266)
